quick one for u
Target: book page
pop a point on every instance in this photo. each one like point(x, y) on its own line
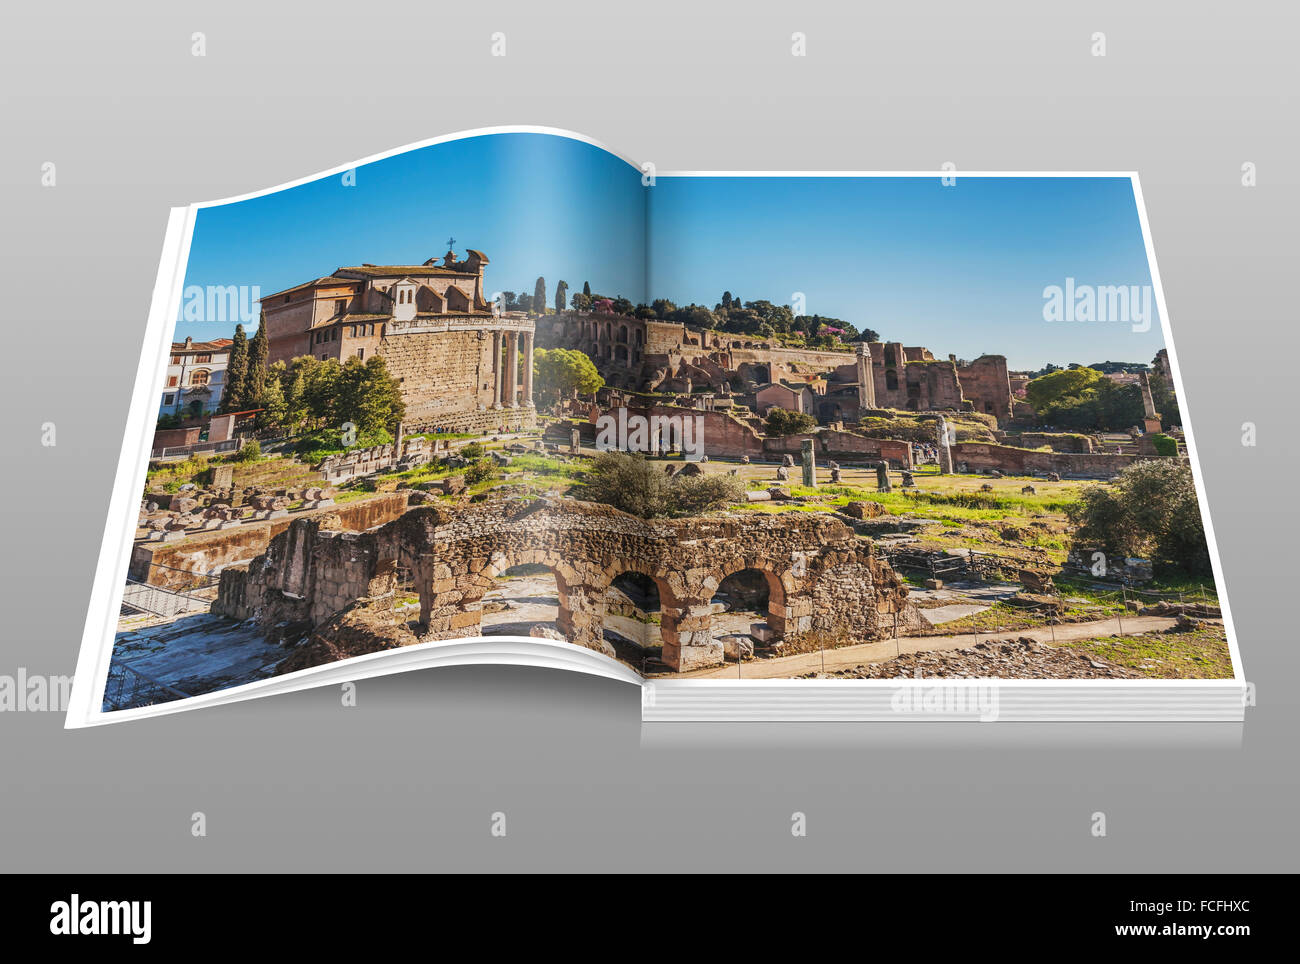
point(351, 393)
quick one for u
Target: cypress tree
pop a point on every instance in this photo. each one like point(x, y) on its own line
point(236, 373)
point(539, 297)
point(258, 351)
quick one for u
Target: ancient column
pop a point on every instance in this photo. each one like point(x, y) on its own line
point(1148, 403)
point(512, 369)
point(497, 380)
point(1150, 420)
point(528, 369)
point(866, 378)
point(809, 464)
point(945, 452)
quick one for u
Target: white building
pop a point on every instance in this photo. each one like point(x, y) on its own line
point(196, 377)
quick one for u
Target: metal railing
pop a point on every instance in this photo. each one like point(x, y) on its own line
point(181, 452)
point(127, 688)
point(140, 597)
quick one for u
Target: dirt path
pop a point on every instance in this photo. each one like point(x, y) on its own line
point(846, 657)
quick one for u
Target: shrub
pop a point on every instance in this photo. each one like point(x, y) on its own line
point(1150, 510)
point(1165, 445)
point(639, 487)
point(781, 422)
point(250, 452)
point(474, 450)
point(481, 470)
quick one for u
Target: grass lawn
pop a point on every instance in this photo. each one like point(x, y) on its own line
point(1197, 654)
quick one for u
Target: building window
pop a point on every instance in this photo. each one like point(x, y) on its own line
point(172, 381)
point(361, 353)
point(176, 359)
point(169, 399)
point(203, 359)
point(198, 378)
point(340, 306)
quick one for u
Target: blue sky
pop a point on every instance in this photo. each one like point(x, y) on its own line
point(958, 269)
point(534, 204)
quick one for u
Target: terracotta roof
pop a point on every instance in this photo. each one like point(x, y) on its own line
point(218, 345)
point(417, 270)
point(314, 283)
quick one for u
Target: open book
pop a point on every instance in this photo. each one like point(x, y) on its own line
point(813, 446)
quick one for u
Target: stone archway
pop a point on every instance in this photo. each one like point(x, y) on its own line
point(523, 598)
point(747, 608)
point(634, 613)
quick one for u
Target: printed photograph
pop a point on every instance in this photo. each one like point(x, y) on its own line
point(712, 427)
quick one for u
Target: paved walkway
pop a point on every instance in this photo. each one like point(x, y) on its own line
point(846, 657)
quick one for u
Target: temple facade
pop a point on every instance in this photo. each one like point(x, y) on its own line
point(463, 366)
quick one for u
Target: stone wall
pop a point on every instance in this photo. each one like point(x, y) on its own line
point(844, 447)
point(448, 379)
point(444, 375)
point(1056, 441)
point(986, 384)
point(983, 456)
point(173, 564)
point(820, 577)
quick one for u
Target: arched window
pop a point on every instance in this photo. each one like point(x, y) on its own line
point(198, 378)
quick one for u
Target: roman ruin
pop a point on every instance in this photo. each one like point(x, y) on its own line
point(819, 577)
point(656, 356)
point(462, 365)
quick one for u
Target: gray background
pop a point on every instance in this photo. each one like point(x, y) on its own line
point(408, 779)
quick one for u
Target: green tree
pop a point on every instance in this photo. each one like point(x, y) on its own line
point(1105, 407)
point(539, 296)
point(586, 288)
point(368, 396)
point(637, 486)
point(258, 351)
point(1150, 510)
point(1071, 382)
point(320, 389)
point(273, 404)
point(561, 296)
point(295, 398)
point(781, 422)
point(560, 371)
point(236, 373)
point(1166, 402)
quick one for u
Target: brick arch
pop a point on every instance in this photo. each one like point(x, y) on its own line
point(779, 584)
point(820, 576)
point(669, 606)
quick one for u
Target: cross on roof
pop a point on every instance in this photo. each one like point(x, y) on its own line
point(451, 244)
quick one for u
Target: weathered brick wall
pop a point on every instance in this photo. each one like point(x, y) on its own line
point(444, 375)
point(986, 384)
point(1092, 465)
point(845, 447)
point(171, 564)
point(1056, 441)
point(819, 576)
point(175, 437)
